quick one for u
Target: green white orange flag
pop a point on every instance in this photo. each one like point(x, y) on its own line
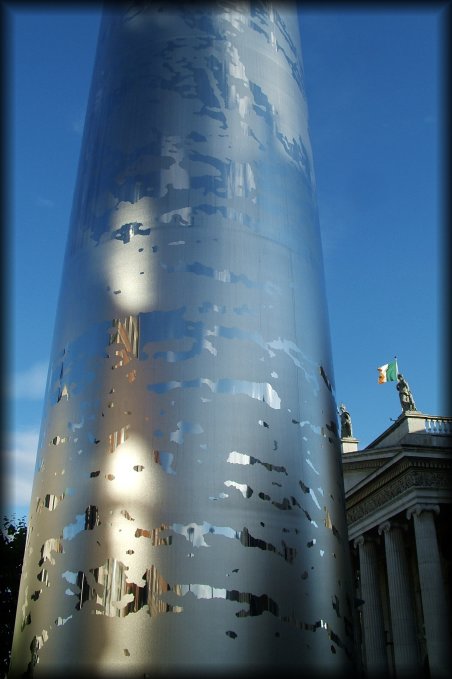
point(387, 372)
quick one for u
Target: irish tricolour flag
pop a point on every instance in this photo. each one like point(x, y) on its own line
point(387, 372)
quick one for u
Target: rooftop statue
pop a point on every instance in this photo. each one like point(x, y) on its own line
point(405, 395)
point(346, 422)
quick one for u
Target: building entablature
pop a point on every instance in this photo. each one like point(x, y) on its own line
point(362, 469)
point(412, 434)
point(390, 457)
point(409, 478)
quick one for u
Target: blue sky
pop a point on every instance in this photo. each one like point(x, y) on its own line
point(374, 82)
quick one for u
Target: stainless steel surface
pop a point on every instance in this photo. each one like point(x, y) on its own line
point(187, 509)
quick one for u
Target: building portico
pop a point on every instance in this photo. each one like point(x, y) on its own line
point(399, 507)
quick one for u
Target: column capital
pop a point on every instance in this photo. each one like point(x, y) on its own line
point(358, 541)
point(365, 538)
point(386, 526)
point(419, 508)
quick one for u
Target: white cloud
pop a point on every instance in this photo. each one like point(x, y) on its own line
point(30, 383)
point(19, 467)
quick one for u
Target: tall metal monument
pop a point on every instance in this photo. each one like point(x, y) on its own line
point(187, 510)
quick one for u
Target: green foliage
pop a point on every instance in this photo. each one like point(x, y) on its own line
point(12, 546)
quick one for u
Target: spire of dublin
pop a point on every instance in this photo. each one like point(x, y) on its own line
point(187, 512)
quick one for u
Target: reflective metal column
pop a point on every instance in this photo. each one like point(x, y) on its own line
point(188, 508)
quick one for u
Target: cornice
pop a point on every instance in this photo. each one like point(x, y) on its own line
point(391, 472)
point(352, 465)
point(363, 459)
point(408, 473)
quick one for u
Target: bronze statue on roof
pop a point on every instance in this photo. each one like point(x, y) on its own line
point(405, 395)
point(346, 422)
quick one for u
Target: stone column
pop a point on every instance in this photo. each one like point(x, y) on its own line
point(434, 605)
point(406, 653)
point(372, 611)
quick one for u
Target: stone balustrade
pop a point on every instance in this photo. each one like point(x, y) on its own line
point(438, 425)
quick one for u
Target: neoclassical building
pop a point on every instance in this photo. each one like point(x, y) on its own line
point(399, 511)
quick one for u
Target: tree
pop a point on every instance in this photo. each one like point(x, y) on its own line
point(12, 547)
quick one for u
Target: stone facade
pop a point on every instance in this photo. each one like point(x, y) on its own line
point(399, 512)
